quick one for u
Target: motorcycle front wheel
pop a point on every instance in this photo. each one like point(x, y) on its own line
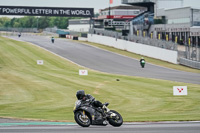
point(142, 65)
point(117, 120)
point(82, 120)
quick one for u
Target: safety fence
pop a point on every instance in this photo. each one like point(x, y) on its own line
point(134, 38)
point(190, 52)
point(190, 63)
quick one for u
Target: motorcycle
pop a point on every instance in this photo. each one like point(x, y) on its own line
point(142, 63)
point(52, 40)
point(85, 115)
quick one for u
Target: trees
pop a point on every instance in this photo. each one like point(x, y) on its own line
point(35, 22)
point(96, 15)
point(4, 21)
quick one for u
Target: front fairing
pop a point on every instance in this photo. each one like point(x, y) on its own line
point(77, 105)
point(89, 109)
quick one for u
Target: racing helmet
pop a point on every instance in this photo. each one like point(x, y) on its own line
point(80, 94)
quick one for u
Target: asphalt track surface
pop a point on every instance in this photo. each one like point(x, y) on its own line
point(177, 127)
point(105, 61)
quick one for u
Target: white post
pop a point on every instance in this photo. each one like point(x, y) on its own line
point(196, 48)
point(131, 28)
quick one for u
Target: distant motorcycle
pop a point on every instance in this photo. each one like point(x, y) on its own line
point(19, 35)
point(142, 63)
point(85, 115)
point(52, 39)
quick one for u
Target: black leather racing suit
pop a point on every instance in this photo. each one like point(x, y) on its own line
point(90, 98)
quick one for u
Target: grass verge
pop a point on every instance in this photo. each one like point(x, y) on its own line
point(47, 92)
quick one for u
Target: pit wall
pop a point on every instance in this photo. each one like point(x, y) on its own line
point(138, 48)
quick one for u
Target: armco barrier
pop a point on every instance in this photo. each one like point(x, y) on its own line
point(190, 63)
point(138, 48)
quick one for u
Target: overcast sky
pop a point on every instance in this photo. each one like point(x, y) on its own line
point(96, 4)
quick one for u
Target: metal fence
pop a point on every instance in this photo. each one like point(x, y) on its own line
point(137, 39)
point(190, 63)
point(153, 42)
point(189, 56)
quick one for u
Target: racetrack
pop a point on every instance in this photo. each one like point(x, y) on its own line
point(176, 127)
point(105, 61)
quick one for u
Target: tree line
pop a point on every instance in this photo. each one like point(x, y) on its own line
point(35, 22)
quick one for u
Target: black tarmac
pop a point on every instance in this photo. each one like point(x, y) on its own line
point(178, 127)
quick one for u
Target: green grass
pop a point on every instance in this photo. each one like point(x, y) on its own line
point(47, 92)
point(148, 59)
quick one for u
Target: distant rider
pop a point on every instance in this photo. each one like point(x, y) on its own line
point(19, 35)
point(52, 39)
point(142, 62)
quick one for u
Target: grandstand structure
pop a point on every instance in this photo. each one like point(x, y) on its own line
point(168, 20)
point(165, 24)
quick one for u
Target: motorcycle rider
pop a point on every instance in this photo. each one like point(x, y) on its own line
point(88, 98)
point(142, 62)
point(101, 113)
point(19, 35)
point(52, 39)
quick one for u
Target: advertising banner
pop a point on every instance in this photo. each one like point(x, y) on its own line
point(46, 11)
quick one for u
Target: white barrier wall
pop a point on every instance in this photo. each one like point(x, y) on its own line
point(79, 28)
point(82, 39)
point(138, 48)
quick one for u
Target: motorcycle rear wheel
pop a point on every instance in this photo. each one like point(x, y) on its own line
point(142, 65)
point(81, 120)
point(116, 122)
